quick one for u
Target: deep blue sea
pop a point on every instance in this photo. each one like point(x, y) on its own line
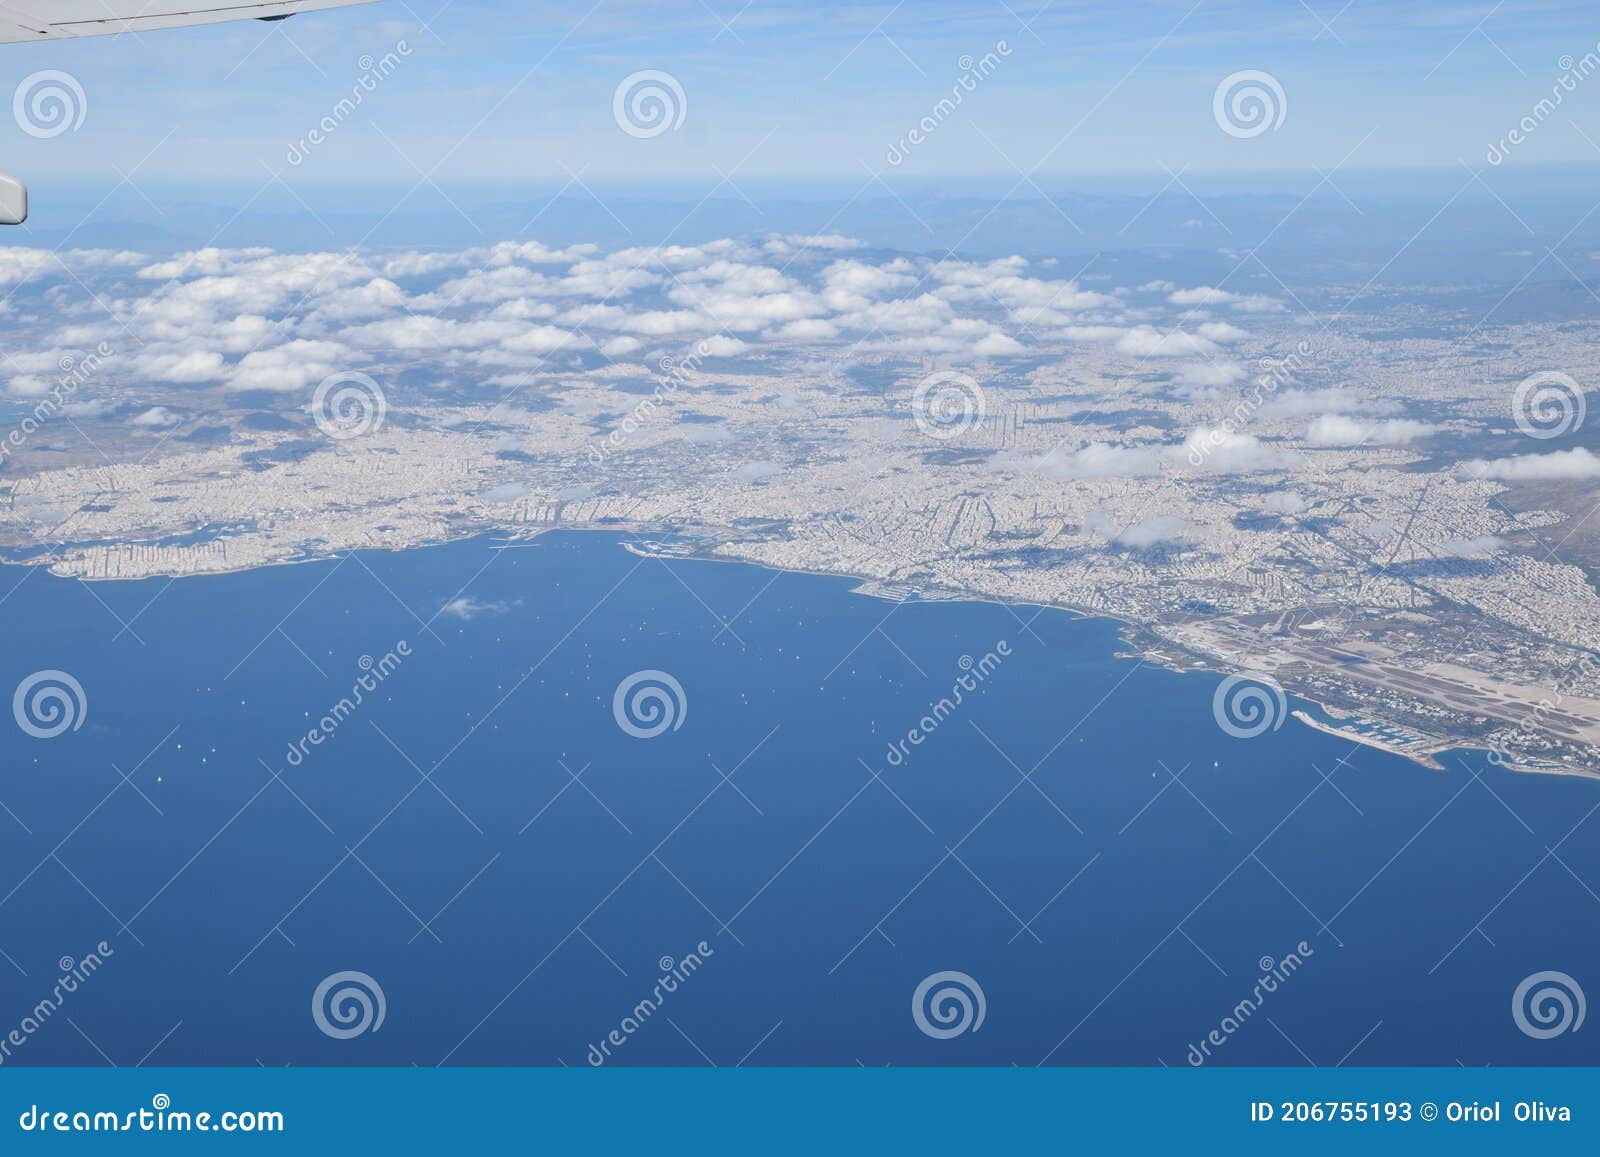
point(513, 869)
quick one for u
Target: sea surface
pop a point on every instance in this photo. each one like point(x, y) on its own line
point(515, 872)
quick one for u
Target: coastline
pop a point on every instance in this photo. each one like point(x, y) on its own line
point(1143, 643)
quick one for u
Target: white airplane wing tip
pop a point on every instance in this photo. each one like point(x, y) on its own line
point(13, 201)
point(22, 21)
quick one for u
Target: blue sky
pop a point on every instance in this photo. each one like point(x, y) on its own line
point(783, 91)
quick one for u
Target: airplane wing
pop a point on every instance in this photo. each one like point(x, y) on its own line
point(25, 20)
